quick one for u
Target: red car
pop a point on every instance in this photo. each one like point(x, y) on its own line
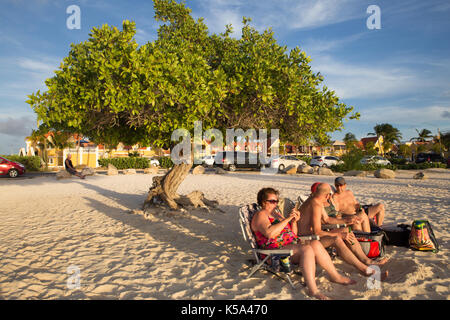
point(11, 168)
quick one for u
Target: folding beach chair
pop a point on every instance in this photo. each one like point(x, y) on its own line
point(245, 217)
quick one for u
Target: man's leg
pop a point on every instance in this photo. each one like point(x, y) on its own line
point(324, 260)
point(365, 224)
point(378, 211)
point(347, 255)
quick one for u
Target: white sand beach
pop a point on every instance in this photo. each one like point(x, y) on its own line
point(48, 226)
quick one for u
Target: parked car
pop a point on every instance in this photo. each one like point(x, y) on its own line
point(375, 160)
point(11, 168)
point(233, 160)
point(324, 161)
point(282, 162)
point(208, 160)
point(429, 157)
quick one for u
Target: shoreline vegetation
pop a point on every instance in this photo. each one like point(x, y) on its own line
point(33, 163)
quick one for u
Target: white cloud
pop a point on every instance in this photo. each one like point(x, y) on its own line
point(405, 115)
point(317, 13)
point(37, 66)
point(315, 47)
point(290, 14)
point(352, 80)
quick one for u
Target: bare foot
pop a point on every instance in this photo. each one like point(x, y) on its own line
point(379, 262)
point(344, 281)
point(319, 295)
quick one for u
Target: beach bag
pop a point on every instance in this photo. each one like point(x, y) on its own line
point(422, 237)
point(372, 243)
point(397, 235)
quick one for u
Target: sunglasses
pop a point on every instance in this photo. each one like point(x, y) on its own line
point(273, 201)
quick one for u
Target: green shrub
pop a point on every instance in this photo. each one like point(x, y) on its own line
point(133, 154)
point(398, 161)
point(165, 162)
point(307, 159)
point(421, 166)
point(31, 163)
point(352, 161)
point(126, 163)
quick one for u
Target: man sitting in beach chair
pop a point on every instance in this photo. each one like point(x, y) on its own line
point(345, 242)
point(273, 231)
point(370, 214)
point(69, 167)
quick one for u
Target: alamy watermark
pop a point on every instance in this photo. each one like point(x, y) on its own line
point(374, 281)
point(255, 143)
point(74, 279)
point(374, 21)
point(74, 20)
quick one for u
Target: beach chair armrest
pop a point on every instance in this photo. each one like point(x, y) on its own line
point(275, 251)
point(333, 226)
point(310, 237)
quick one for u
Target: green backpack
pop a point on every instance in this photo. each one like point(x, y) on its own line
point(422, 237)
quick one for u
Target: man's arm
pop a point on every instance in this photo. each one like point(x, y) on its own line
point(317, 216)
point(358, 206)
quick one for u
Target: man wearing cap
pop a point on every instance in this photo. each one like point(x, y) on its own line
point(349, 206)
point(345, 242)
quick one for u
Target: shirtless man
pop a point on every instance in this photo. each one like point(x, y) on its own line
point(312, 213)
point(349, 206)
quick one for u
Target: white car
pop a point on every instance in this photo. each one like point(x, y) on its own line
point(208, 160)
point(282, 162)
point(375, 160)
point(324, 161)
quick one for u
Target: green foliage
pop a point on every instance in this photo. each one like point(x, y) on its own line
point(134, 154)
point(165, 162)
point(421, 166)
point(31, 163)
point(423, 135)
point(125, 163)
point(111, 90)
point(405, 150)
point(307, 159)
point(445, 140)
point(347, 166)
point(370, 149)
point(390, 134)
point(396, 161)
point(351, 160)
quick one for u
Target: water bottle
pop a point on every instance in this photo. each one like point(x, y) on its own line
point(285, 264)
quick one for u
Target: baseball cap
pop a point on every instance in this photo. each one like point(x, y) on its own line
point(314, 186)
point(339, 181)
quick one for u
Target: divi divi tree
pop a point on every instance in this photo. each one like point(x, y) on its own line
point(112, 90)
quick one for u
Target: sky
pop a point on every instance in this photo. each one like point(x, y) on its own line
point(397, 73)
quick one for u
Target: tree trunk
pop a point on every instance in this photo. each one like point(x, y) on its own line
point(164, 191)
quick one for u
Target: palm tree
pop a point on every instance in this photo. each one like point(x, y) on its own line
point(422, 135)
point(349, 138)
point(390, 134)
point(39, 139)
